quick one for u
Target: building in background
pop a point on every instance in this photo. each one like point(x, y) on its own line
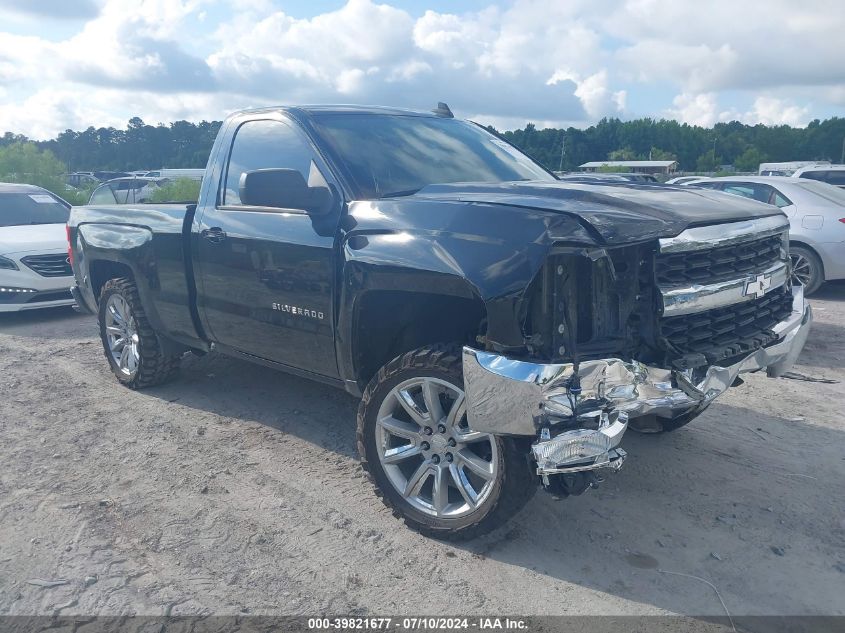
point(635, 166)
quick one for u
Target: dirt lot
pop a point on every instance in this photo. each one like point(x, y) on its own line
point(236, 490)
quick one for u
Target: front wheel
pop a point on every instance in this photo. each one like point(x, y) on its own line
point(426, 463)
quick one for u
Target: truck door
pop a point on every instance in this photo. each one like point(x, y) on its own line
point(265, 276)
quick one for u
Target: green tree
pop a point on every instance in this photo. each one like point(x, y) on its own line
point(626, 153)
point(186, 144)
point(612, 169)
point(707, 162)
point(749, 160)
point(25, 163)
point(661, 154)
point(179, 190)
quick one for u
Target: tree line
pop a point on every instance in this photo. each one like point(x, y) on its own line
point(695, 148)
point(185, 144)
point(181, 144)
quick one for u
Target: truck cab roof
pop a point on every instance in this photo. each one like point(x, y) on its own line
point(316, 110)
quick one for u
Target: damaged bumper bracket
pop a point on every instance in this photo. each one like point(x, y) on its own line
point(512, 397)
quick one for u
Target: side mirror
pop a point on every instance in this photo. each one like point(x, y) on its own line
point(283, 189)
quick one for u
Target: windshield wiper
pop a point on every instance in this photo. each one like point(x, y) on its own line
point(399, 194)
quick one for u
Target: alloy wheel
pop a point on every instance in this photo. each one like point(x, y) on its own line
point(802, 269)
point(429, 453)
point(122, 335)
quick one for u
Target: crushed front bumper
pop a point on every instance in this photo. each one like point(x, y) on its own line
point(512, 397)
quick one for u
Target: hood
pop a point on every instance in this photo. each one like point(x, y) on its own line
point(618, 213)
point(32, 237)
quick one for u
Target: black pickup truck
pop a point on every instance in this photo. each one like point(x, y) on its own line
point(501, 327)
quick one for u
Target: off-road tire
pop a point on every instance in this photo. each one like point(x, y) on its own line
point(514, 486)
point(155, 366)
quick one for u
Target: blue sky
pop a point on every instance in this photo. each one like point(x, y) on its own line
point(99, 62)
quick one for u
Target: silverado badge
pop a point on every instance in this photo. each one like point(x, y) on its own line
point(284, 307)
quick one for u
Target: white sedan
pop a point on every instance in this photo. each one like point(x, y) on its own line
point(34, 268)
point(816, 214)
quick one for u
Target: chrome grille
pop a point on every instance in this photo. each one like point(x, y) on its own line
point(723, 288)
point(728, 332)
point(56, 265)
point(720, 263)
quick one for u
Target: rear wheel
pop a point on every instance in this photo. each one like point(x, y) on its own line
point(426, 463)
point(806, 268)
point(133, 350)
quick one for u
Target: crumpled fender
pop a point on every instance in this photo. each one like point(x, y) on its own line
point(463, 249)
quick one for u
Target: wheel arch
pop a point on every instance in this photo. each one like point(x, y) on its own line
point(102, 270)
point(387, 323)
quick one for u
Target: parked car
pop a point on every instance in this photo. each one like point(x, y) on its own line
point(588, 177)
point(103, 176)
point(816, 213)
point(680, 180)
point(634, 177)
point(787, 168)
point(131, 190)
point(173, 174)
point(79, 180)
point(34, 268)
point(830, 174)
point(501, 327)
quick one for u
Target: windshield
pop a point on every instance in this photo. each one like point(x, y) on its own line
point(391, 155)
point(17, 209)
point(828, 192)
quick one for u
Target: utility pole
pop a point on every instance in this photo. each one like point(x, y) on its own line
point(563, 151)
point(842, 158)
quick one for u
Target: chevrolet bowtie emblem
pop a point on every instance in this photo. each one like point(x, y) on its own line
point(758, 287)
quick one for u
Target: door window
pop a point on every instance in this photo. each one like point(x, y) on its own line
point(781, 200)
point(266, 145)
point(102, 195)
point(836, 177)
point(815, 175)
point(761, 193)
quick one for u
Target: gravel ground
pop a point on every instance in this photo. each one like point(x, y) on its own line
point(236, 490)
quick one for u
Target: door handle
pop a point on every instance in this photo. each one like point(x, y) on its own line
point(215, 234)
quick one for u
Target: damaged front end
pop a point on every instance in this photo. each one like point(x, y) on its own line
point(637, 335)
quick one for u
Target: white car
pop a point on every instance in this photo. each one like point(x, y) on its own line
point(680, 180)
point(34, 268)
point(127, 190)
point(816, 213)
point(831, 174)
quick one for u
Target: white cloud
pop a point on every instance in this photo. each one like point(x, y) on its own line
point(555, 63)
point(597, 99)
point(727, 44)
point(703, 109)
point(695, 109)
point(774, 111)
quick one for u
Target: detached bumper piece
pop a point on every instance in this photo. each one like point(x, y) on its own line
point(518, 398)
